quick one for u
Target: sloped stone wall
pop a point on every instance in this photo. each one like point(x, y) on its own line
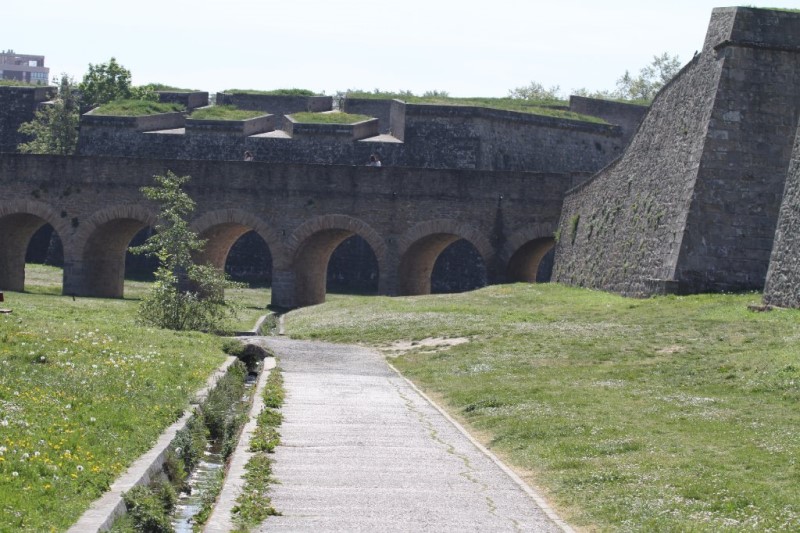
point(783, 278)
point(692, 204)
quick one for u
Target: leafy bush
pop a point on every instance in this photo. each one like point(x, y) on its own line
point(150, 506)
point(190, 442)
point(273, 390)
point(223, 411)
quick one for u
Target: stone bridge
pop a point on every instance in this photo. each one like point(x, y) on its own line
point(408, 216)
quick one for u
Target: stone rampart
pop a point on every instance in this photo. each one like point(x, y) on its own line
point(627, 116)
point(475, 137)
point(190, 100)
point(783, 278)
point(276, 104)
point(425, 136)
point(17, 106)
point(692, 204)
point(333, 132)
point(241, 128)
point(380, 109)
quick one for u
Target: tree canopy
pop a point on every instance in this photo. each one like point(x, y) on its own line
point(54, 128)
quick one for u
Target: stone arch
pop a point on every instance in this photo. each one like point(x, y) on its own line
point(525, 249)
point(19, 220)
point(99, 252)
point(422, 244)
point(312, 244)
point(222, 228)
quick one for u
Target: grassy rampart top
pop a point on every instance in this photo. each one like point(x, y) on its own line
point(550, 108)
point(136, 108)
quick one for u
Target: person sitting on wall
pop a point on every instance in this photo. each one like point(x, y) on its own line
point(248, 156)
point(374, 161)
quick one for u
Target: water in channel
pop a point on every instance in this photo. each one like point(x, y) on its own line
point(202, 477)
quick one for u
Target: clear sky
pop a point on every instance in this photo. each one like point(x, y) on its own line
point(465, 47)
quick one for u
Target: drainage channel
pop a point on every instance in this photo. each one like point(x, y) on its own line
point(207, 476)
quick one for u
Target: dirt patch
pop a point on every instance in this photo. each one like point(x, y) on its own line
point(666, 350)
point(431, 344)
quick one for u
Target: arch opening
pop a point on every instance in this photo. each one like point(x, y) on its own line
point(353, 268)
point(140, 267)
point(249, 260)
point(312, 264)
point(16, 234)
point(418, 262)
point(459, 268)
point(533, 261)
point(45, 250)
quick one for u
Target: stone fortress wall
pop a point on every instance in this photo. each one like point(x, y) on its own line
point(692, 204)
point(407, 135)
point(783, 278)
point(18, 105)
point(701, 194)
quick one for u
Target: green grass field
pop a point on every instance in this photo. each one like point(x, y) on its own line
point(84, 391)
point(664, 414)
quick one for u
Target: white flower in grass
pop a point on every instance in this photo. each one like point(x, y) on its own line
point(79, 468)
point(4, 423)
point(15, 474)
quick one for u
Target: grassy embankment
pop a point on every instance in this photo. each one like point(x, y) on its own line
point(84, 391)
point(664, 414)
point(136, 108)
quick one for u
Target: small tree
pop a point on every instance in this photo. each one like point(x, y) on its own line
point(535, 91)
point(54, 128)
point(185, 296)
point(111, 81)
point(650, 79)
point(105, 82)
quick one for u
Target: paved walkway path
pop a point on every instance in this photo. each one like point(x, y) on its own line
point(362, 450)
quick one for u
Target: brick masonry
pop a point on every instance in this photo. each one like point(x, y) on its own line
point(302, 212)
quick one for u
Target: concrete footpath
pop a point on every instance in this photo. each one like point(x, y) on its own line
point(362, 450)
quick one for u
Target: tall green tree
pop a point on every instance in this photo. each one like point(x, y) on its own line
point(185, 295)
point(105, 82)
point(54, 128)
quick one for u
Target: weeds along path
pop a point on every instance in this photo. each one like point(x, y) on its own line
point(362, 450)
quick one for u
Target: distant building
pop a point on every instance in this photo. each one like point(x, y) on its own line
point(23, 67)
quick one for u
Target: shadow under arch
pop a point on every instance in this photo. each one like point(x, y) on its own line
point(526, 250)
point(101, 245)
point(19, 221)
point(223, 228)
point(422, 245)
point(524, 264)
point(313, 243)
